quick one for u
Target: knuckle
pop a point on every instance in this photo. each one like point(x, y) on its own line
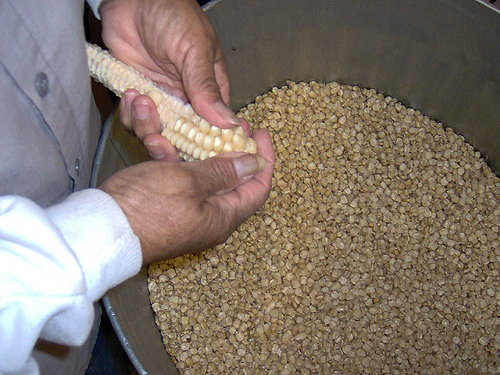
point(189, 180)
point(208, 84)
point(221, 172)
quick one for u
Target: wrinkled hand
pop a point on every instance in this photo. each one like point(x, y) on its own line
point(178, 208)
point(173, 43)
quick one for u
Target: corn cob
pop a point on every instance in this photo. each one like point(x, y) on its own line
point(193, 136)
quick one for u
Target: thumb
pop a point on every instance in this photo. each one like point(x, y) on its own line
point(207, 100)
point(207, 87)
point(223, 173)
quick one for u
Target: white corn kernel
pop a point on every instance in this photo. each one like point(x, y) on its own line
point(174, 114)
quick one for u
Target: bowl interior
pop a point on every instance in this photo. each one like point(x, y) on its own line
point(439, 56)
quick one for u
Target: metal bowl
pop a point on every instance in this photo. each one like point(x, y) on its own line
point(439, 56)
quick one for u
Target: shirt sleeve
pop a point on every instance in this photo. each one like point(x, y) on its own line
point(94, 5)
point(54, 264)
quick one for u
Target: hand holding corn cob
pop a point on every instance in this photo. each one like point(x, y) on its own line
point(198, 204)
point(173, 43)
point(193, 136)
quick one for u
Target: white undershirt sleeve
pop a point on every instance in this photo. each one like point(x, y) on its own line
point(54, 264)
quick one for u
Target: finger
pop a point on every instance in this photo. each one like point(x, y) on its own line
point(249, 196)
point(246, 126)
point(160, 149)
point(259, 186)
point(222, 77)
point(126, 108)
point(220, 174)
point(145, 118)
point(204, 92)
point(266, 150)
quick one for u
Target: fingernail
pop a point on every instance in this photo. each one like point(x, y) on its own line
point(247, 165)
point(142, 111)
point(129, 96)
point(226, 113)
point(156, 152)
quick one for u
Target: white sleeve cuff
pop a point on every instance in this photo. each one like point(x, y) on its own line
point(99, 233)
point(94, 5)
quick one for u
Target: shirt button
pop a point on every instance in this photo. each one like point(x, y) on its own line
point(77, 166)
point(42, 84)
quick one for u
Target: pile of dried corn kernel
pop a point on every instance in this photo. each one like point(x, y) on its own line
point(377, 252)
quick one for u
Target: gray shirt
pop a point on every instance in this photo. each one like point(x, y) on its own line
point(49, 124)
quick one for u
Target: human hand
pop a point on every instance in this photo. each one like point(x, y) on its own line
point(173, 43)
point(179, 208)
